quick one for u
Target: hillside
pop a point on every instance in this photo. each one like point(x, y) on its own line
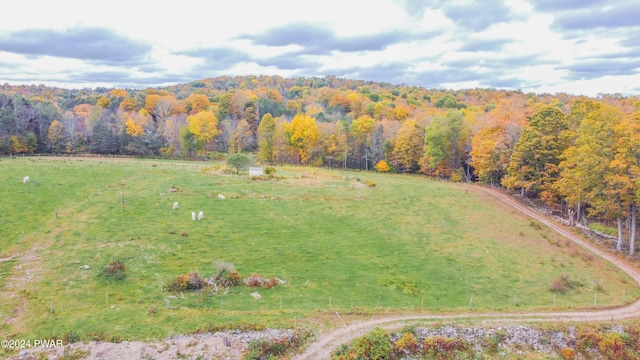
point(355, 242)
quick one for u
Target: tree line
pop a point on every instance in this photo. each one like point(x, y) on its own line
point(578, 153)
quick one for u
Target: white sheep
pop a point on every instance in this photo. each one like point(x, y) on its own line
point(26, 179)
point(201, 215)
point(220, 197)
point(193, 215)
point(175, 205)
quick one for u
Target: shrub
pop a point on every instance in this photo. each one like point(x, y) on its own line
point(195, 281)
point(563, 284)
point(567, 354)
point(229, 279)
point(256, 280)
point(70, 337)
point(587, 338)
point(382, 166)
point(613, 345)
point(269, 170)
point(271, 349)
point(115, 270)
point(440, 347)
point(407, 343)
point(493, 341)
point(374, 345)
point(370, 183)
point(191, 281)
point(238, 161)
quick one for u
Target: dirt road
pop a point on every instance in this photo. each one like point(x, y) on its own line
point(327, 343)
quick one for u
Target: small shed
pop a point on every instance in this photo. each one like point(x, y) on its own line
point(256, 171)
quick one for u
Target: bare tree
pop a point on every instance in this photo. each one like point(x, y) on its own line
point(229, 127)
point(171, 130)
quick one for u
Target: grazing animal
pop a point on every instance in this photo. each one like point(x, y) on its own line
point(201, 215)
point(193, 215)
point(26, 179)
point(220, 197)
point(175, 205)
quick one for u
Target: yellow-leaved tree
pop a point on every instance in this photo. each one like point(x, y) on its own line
point(136, 122)
point(56, 137)
point(195, 103)
point(302, 135)
point(204, 127)
point(382, 166)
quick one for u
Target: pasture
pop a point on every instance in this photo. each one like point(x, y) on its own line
point(342, 240)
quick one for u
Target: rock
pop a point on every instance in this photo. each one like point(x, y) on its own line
point(256, 295)
point(85, 267)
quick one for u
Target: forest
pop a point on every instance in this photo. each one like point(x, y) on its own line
point(574, 153)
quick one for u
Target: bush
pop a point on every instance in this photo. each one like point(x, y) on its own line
point(440, 347)
point(563, 284)
point(567, 354)
point(382, 166)
point(115, 270)
point(256, 280)
point(374, 345)
point(587, 338)
point(191, 281)
point(614, 345)
point(370, 183)
point(407, 343)
point(227, 275)
point(229, 279)
point(269, 170)
point(238, 161)
point(271, 349)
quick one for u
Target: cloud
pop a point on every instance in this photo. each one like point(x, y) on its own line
point(219, 57)
point(599, 67)
point(476, 15)
point(92, 44)
point(553, 5)
point(613, 16)
point(319, 40)
point(487, 45)
point(396, 72)
point(298, 62)
point(124, 78)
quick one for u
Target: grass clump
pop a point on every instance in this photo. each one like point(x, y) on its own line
point(115, 270)
point(563, 284)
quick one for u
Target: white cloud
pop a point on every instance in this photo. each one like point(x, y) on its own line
point(420, 42)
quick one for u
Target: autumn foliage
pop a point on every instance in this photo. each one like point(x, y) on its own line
point(574, 153)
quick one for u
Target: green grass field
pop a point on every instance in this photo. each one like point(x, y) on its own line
point(404, 244)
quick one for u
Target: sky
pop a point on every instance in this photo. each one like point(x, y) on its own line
point(580, 47)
